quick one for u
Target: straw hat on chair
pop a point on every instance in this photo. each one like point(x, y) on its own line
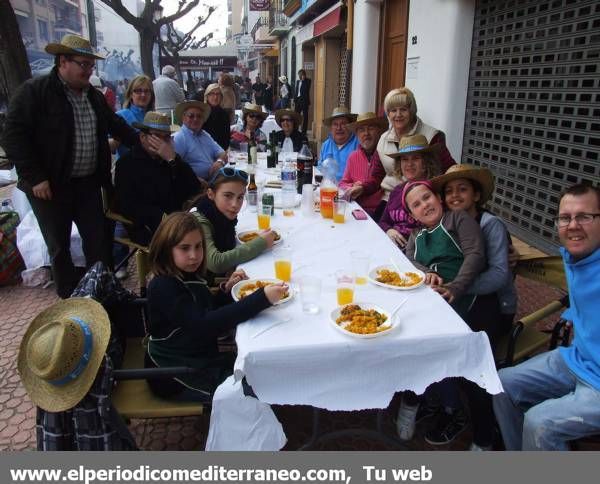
point(61, 352)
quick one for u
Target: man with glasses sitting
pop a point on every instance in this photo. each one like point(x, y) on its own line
point(195, 146)
point(152, 180)
point(553, 398)
point(289, 138)
point(56, 134)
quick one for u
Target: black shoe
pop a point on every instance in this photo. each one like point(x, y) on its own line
point(447, 428)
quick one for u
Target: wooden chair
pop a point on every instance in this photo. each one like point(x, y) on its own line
point(525, 340)
point(139, 251)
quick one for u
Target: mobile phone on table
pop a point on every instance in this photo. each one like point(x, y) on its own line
point(359, 214)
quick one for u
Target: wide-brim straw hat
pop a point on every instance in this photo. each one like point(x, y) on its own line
point(181, 108)
point(280, 113)
point(414, 145)
point(340, 112)
point(156, 121)
point(254, 109)
point(482, 176)
point(73, 45)
point(283, 79)
point(61, 352)
point(369, 119)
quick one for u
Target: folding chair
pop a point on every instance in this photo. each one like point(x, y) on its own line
point(140, 251)
point(525, 340)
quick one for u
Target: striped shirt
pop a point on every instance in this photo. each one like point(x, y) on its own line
point(85, 140)
point(368, 170)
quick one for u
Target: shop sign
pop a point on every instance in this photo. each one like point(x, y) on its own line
point(260, 5)
point(190, 62)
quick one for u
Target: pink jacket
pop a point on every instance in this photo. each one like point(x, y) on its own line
point(369, 172)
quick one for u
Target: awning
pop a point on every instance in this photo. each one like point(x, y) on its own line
point(327, 21)
point(271, 53)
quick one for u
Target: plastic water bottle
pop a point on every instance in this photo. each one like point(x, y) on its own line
point(288, 187)
point(7, 205)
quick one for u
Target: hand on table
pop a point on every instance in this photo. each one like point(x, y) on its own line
point(445, 293)
point(397, 237)
point(269, 237)
point(234, 278)
point(355, 191)
point(276, 292)
point(42, 190)
point(433, 279)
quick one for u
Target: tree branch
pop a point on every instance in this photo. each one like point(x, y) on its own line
point(182, 10)
point(122, 12)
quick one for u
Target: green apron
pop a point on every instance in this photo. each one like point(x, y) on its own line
point(438, 250)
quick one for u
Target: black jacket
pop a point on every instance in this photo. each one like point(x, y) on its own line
point(149, 187)
point(297, 138)
point(38, 135)
point(302, 97)
point(217, 125)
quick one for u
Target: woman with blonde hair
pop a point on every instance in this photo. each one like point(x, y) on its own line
point(401, 108)
point(217, 124)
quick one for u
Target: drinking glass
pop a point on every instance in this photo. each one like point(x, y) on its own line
point(307, 200)
point(344, 287)
point(282, 257)
point(360, 266)
point(264, 216)
point(310, 294)
point(339, 211)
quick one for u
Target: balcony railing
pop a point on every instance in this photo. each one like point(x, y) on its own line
point(278, 22)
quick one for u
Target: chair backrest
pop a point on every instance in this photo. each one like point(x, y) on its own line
point(547, 270)
point(109, 204)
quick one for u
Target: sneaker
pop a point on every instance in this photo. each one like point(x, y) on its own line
point(405, 421)
point(122, 273)
point(480, 448)
point(447, 428)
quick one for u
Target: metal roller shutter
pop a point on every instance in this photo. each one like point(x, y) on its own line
point(533, 107)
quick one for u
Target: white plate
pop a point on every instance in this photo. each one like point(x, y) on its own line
point(243, 232)
point(373, 278)
point(337, 311)
point(235, 290)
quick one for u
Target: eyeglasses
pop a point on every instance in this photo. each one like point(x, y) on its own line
point(229, 173)
point(84, 65)
point(580, 219)
point(142, 91)
point(193, 116)
point(255, 116)
point(287, 120)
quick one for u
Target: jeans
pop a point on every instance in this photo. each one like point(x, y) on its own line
point(544, 405)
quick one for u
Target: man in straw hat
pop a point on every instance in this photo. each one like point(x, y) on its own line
point(364, 171)
point(56, 133)
point(341, 141)
point(289, 139)
point(195, 146)
point(61, 353)
point(152, 179)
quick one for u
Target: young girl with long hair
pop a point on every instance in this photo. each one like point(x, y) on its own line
point(185, 318)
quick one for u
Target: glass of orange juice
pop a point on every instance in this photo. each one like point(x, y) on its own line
point(345, 287)
point(264, 216)
point(360, 266)
point(282, 257)
point(339, 211)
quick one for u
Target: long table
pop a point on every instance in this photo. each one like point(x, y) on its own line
point(292, 358)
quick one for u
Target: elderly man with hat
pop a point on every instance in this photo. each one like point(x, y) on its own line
point(152, 179)
point(217, 124)
point(341, 141)
point(167, 92)
point(289, 138)
point(195, 146)
point(364, 171)
point(56, 133)
point(252, 119)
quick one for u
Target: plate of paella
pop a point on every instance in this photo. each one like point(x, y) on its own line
point(363, 320)
point(388, 276)
point(246, 287)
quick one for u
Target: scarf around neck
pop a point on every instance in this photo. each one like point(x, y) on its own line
point(223, 228)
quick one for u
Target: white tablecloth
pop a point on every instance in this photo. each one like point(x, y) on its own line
point(307, 361)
